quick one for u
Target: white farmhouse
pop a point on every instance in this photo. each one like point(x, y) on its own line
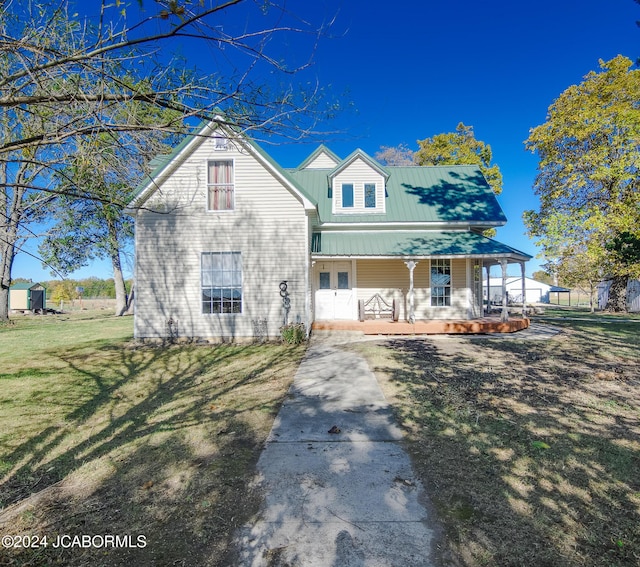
point(231, 245)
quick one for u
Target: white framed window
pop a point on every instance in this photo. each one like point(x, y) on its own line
point(347, 195)
point(370, 195)
point(221, 282)
point(220, 185)
point(441, 282)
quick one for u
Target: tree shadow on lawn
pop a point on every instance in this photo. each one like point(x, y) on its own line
point(156, 442)
point(530, 450)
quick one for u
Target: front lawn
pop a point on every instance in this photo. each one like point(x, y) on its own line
point(529, 450)
point(103, 436)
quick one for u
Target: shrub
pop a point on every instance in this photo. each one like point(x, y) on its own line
point(294, 334)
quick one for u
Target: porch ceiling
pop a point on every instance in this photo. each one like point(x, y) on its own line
point(411, 244)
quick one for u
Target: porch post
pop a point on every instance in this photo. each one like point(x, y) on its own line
point(504, 316)
point(524, 291)
point(488, 309)
point(412, 315)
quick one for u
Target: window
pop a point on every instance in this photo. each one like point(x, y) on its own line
point(440, 283)
point(347, 195)
point(370, 195)
point(325, 280)
point(221, 281)
point(220, 186)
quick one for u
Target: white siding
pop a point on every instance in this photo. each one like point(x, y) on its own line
point(322, 161)
point(268, 226)
point(358, 173)
point(390, 278)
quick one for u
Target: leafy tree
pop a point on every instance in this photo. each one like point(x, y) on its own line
point(587, 182)
point(581, 269)
point(543, 277)
point(86, 229)
point(62, 77)
point(460, 148)
point(64, 290)
point(95, 225)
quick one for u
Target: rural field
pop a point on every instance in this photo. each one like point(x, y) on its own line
point(529, 450)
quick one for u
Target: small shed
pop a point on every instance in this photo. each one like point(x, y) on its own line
point(27, 297)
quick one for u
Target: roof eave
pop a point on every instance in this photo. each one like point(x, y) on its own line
point(514, 256)
point(409, 225)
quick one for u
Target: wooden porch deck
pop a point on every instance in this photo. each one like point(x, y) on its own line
point(422, 327)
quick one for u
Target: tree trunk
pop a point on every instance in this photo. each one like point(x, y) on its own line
point(130, 303)
point(8, 238)
point(617, 302)
point(7, 252)
point(121, 288)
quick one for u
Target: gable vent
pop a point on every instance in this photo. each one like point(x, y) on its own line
point(220, 144)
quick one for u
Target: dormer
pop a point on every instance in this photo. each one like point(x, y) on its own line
point(321, 158)
point(358, 186)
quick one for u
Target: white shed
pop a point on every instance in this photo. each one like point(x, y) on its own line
point(535, 291)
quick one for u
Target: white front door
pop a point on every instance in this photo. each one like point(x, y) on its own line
point(334, 293)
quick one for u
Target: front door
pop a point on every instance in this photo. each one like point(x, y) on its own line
point(334, 294)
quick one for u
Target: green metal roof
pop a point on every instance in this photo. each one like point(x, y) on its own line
point(409, 244)
point(24, 285)
point(435, 194)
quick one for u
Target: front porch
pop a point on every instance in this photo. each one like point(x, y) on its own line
point(483, 325)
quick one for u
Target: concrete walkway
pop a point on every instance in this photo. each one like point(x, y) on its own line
point(342, 499)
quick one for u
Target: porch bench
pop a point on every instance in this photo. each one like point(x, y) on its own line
point(376, 308)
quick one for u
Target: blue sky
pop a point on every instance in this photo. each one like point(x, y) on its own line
point(414, 69)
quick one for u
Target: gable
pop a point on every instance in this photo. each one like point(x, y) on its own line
point(321, 158)
point(358, 188)
point(219, 143)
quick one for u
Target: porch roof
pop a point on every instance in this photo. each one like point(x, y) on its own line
point(409, 244)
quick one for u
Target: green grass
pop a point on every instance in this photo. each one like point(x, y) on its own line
point(100, 435)
point(530, 450)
